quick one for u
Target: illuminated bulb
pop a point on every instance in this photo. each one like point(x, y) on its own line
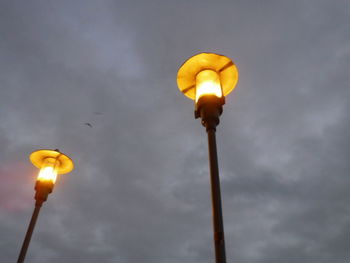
point(208, 83)
point(48, 172)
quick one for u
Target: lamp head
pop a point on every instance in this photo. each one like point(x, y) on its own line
point(51, 163)
point(207, 78)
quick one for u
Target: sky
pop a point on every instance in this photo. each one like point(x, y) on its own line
point(140, 190)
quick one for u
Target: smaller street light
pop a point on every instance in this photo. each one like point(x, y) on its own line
point(207, 78)
point(51, 163)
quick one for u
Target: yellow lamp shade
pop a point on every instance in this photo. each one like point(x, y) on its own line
point(51, 161)
point(207, 73)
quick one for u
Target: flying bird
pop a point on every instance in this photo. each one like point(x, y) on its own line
point(88, 124)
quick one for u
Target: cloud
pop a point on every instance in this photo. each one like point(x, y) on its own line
point(140, 188)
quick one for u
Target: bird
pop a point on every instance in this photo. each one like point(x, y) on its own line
point(88, 124)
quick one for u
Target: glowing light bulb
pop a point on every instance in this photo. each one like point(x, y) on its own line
point(48, 172)
point(208, 83)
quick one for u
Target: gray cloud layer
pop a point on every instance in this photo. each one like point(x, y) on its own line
point(140, 189)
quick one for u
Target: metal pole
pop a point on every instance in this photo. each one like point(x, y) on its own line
point(29, 233)
point(219, 239)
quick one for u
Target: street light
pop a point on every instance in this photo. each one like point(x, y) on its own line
point(207, 78)
point(51, 163)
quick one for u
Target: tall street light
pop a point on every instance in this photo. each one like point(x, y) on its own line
point(51, 163)
point(207, 78)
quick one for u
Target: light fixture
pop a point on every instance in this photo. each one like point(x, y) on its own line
point(207, 78)
point(51, 163)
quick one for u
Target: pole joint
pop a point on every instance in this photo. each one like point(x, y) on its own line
point(209, 109)
point(43, 189)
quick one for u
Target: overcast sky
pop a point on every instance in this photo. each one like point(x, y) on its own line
point(140, 188)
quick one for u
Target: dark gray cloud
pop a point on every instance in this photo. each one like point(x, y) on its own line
point(140, 188)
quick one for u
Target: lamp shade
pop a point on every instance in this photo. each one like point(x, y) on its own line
point(63, 163)
point(226, 70)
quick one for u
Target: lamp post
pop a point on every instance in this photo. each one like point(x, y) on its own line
point(207, 78)
point(51, 163)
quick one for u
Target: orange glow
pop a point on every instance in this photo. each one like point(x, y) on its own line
point(208, 83)
point(48, 171)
